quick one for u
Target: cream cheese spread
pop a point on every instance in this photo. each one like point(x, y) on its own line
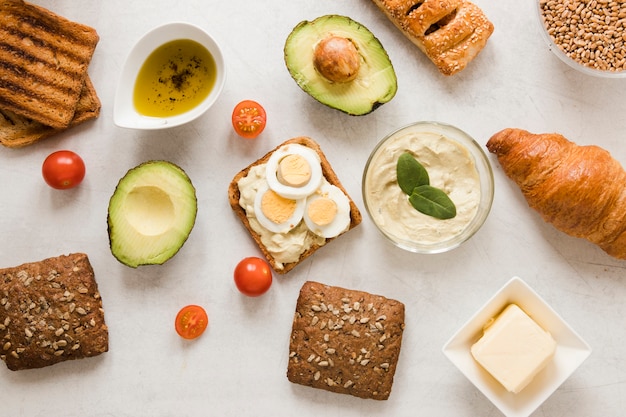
point(514, 348)
point(450, 167)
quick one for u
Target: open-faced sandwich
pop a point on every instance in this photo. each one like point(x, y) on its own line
point(292, 202)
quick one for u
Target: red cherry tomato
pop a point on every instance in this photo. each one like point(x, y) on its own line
point(253, 276)
point(63, 170)
point(249, 119)
point(191, 321)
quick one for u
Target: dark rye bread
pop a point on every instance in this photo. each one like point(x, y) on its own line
point(345, 341)
point(43, 62)
point(234, 195)
point(50, 311)
point(18, 131)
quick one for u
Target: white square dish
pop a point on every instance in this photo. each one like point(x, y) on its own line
point(571, 350)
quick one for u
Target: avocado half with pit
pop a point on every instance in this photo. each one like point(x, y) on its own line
point(340, 63)
point(151, 214)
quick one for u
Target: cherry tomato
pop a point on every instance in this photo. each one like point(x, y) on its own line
point(63, 170)
point(191, 321)
point(249, 119)
point(253, 276)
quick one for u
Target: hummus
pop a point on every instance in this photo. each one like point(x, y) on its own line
point(450, 168)
point(284, 247)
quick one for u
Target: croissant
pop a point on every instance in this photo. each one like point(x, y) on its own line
point(580, 190)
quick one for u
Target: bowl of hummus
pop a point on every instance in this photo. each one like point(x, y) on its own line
point(428, 187)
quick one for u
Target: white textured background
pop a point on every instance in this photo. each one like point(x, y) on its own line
point(238, 367)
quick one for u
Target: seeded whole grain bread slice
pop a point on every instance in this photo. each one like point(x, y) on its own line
point(328, 172)
point(50, 311)
point(345, 341)
point(18, 131)
point(44, 59)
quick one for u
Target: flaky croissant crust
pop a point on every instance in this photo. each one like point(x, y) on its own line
point(581, 190)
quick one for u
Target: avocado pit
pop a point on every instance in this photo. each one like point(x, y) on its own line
point(337, 59)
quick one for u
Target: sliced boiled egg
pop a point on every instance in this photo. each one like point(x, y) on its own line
point(327, 211)
point(277, 213)
point(294, 171)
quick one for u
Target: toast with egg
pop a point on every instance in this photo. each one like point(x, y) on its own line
point(18, 131)
point(308, 242)
point(44, 62)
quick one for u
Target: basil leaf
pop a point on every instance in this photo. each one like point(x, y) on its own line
point(410, 173)
point(432, 202)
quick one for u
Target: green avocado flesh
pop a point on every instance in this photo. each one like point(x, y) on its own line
point(151, 214)
point(375, 82)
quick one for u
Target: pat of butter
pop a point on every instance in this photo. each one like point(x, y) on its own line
point(514, 348)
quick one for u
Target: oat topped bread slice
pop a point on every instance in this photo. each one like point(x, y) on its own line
point(43, 62)
point(50, 311)
point(18, 131)
point(345, 341)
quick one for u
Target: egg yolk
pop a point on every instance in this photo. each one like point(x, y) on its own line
point(276, 208)
point(322, 211)
point(294, 171)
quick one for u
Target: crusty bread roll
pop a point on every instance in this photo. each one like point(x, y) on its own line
point(330, 176)
point(50, 311)
point(450, 32)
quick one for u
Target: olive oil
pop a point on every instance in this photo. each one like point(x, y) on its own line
point(174, 79)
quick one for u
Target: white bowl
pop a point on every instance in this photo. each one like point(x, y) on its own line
point(124, 112)
point(571, 350)
point(573, 63)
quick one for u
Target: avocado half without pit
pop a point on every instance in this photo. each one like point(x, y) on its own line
point(151, 214)
point(341, 64)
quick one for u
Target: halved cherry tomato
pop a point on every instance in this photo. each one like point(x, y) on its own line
point(253, 276)
point(249, 119)
point(63, 170)
point(191, 321)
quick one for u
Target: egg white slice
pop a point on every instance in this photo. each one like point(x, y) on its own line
point(287, 191)
point(341, 220)
point(266, 222)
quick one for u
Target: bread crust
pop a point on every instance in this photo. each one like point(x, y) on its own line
point(51, 311)
point(17, 131)
point(345, 341)
point(45, 59)
point(328, 172)
point(451, 33)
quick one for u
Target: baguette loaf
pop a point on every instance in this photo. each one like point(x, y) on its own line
point(51, 311)
point(311, 242)
point(44, 62)
point(18, 131)
point(450, 32)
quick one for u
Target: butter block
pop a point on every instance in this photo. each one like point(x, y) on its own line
point(514, 348)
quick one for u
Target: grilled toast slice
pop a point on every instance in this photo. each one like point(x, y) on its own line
point(18, 131)
point(44, 59)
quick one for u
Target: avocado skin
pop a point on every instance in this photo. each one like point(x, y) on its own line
point(169, 250)
point(350, 98)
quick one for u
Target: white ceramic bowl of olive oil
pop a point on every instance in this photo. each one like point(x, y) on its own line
point(172, 75)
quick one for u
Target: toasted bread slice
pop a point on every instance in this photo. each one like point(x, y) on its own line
point(44, 62)
point(450, 32)
point(18, 131)
point(234, 195)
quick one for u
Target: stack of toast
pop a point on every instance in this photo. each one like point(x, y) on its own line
point(44, 85)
